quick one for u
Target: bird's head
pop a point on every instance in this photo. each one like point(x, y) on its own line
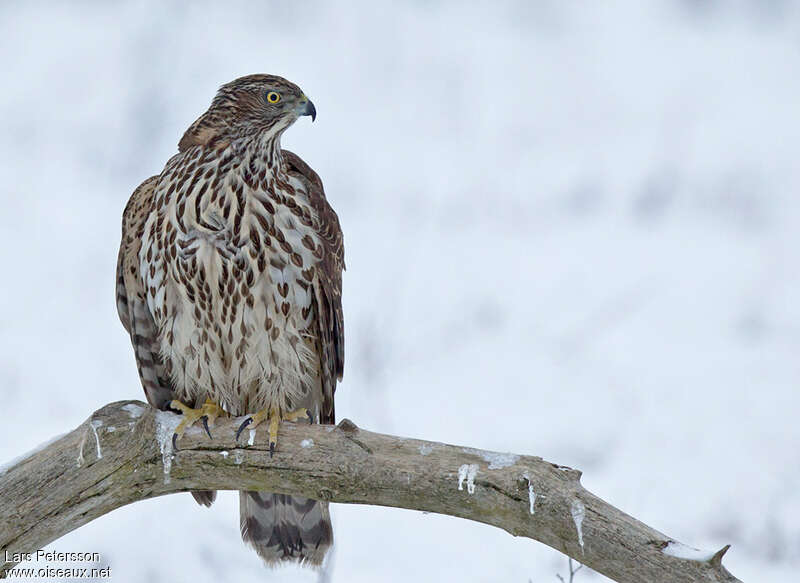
point(250, 107)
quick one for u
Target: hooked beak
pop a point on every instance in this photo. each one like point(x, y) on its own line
point(305, 107)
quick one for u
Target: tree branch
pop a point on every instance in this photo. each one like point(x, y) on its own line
point(123, 453)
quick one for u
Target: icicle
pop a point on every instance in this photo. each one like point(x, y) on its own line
point(166, 423)
point(578, 511)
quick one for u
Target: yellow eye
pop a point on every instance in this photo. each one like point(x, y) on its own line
point(273, 97)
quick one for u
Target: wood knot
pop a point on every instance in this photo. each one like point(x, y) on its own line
point(570, 473)
point(658, 544)
point(347, 426)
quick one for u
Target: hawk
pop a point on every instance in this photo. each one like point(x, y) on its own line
point(229, 282)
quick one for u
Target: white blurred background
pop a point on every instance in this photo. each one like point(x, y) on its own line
point(572, 230)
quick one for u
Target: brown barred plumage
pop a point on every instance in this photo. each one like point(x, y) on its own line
point(229, 283)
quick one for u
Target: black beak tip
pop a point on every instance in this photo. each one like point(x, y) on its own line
point(310, 110)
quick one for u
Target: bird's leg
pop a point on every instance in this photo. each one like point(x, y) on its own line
point(275, 417)
point(207, 414)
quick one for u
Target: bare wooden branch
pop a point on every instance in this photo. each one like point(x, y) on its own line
point(123, 453)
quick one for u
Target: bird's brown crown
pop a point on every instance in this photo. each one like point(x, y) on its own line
point(246, 108)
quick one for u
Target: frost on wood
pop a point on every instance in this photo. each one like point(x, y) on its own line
point(307, 443)
point(496, 460)
point(682, 551)
point(20, 458)
point(135, 411)
point(467, 472)
point(166, 423)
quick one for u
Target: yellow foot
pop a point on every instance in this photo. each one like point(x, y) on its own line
point(275, 417)
point(207, 414)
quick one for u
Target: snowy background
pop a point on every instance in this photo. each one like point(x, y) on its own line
point(572, 230)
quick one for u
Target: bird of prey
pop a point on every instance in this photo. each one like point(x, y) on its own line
point(229, 283)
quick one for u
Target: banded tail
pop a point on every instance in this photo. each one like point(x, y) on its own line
point(285, 528)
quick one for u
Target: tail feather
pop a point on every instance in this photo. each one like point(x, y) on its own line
point(285, 528)
point(204, 497)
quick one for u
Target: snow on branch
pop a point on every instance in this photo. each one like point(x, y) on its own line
point(123, 453)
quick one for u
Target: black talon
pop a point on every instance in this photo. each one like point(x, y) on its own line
point(271, 448)
point(244, 424)
point(174, 442)
point(204, 419)
point(310, 417)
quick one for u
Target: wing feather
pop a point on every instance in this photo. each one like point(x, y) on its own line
point(327, 283)
point(131, 302)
